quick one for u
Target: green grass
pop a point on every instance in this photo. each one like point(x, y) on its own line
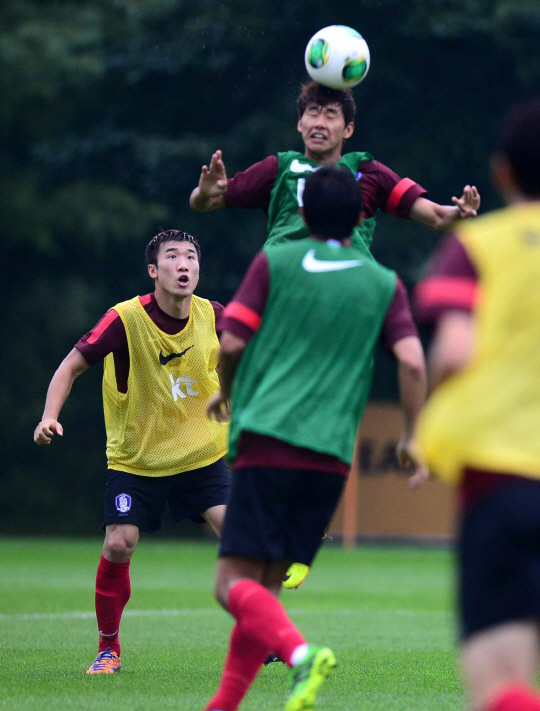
point(386, 612)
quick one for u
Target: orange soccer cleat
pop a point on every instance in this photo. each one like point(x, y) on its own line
point(107, 662)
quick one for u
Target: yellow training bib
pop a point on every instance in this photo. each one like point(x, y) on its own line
point(160, 426)
point(488, 415)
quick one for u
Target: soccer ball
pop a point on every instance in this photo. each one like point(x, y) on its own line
point(337, 56)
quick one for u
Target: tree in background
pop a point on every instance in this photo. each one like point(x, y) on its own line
point(110, 107)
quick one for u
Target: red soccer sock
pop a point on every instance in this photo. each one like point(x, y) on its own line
point(515, 698)
point(113, 589)
point(264, 619)
point(242, 665)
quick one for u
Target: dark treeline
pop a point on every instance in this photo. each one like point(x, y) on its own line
point(109, 108)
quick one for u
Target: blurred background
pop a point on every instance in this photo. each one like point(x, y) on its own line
point(109, 108)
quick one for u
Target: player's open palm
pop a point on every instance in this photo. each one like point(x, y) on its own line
point(45, 431)
point(213, 180)
point(469, 202)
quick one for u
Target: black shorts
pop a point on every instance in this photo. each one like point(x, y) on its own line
point(140, 500)
point(279, 514)
point(499, 558)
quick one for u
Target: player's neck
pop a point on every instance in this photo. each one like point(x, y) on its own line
point(172, 305)
point(330, 158)
point(345, 242)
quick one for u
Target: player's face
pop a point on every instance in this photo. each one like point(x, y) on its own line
point(177, 269)
point(323, 130)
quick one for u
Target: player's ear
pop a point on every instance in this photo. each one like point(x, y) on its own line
point(299, 125)
point(152, 271)
point(502, 174)
point(349, 130)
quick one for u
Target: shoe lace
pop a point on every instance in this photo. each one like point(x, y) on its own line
point(301, 673)
point(102, 658)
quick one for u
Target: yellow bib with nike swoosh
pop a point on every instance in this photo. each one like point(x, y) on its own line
point(160, 426)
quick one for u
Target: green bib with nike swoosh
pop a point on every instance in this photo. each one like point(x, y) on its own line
point(305, 376)
point(284, 221)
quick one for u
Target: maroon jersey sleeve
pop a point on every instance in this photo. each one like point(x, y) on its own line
point(399, 322)
point(108, 335)
point(451, 283)
point(253, 187)
point(385, 190)
point(218, 312)
point(242, 316)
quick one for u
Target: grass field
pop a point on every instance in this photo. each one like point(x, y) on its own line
point(386, 612)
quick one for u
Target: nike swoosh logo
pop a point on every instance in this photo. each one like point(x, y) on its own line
point(165, 359)
point(311, 264)
point(297, 167)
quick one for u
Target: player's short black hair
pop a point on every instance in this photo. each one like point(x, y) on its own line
point(313, 93)
point(519, 141)
point(332, 202)
point(152, 248)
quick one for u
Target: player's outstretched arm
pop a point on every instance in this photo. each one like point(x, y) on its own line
point(451, 348)
point(441, 217)
point(209, 194)
point(412, 380)
point(232, 348)
point(60, 386)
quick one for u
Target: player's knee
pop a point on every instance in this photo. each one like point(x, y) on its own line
point(120, 544)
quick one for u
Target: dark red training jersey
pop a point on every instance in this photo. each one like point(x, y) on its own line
point(242, 318)
point(450, 283)
point(109, 336)
point(381, 188)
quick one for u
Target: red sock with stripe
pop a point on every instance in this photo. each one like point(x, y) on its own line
point(263, 618)
point(242, 665)
point(515, 698)
point(113, 590)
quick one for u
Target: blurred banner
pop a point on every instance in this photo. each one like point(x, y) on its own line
point(378, 502)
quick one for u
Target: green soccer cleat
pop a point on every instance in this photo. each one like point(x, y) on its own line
point(295, 576)
point(307, 676)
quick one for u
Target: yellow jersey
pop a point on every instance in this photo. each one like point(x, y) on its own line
point(487, 416)
point(160, 426)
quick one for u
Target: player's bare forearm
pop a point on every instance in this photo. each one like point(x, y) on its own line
point(451, 348)
point(231, 352)
point(412, 380)
point(59, 388)
point(441, 217)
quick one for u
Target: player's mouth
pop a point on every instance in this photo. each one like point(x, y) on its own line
point(183, 280)
point(318, 137)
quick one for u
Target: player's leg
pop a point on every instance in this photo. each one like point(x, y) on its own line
point(202, 494)
point(500, 665)
point(247, 651)
point(132, 503)
point(261, 525)
point(215, 516)
point(499, 596)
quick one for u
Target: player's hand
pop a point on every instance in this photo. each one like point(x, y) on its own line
point(218, 407)
point(468, 203)
point(408, 460)
point(46, 429)
point(213, 180)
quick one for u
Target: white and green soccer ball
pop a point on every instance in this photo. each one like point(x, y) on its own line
point(337, 56)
